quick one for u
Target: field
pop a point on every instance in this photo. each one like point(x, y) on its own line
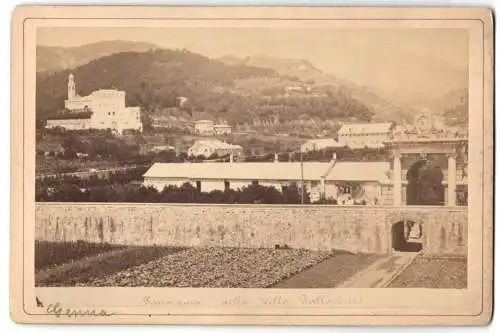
point(103, 265)
point(434, 272)
point(67, 264)
point(83, 264)
point(49, 254)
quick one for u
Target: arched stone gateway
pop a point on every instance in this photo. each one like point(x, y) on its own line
point(428, 159)
point(407, 236)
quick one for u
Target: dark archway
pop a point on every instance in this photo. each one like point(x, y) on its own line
point(406, 236)
point(425, 184)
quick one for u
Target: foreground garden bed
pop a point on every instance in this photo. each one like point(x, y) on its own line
point(215, 267)
point(102, 264)
point(330, 272)
point(434, 272)
point(48, 254)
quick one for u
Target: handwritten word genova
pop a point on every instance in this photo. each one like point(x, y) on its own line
point(58, 310)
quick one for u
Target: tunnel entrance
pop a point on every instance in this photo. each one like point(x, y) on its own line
point(407, 236)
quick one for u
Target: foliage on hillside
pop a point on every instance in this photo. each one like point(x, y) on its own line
point(154, 79)
point(457, 115)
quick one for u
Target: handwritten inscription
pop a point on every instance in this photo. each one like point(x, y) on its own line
point(58, 310)
point(327, 300)
point(238, 300)
point(295, 300)
point(274, 300)
point(150, 301)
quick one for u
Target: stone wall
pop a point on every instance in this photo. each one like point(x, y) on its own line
point(351, 228)
point(70, 124)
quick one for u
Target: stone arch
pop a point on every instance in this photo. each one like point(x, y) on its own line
point(407, 234)
point(425, 183)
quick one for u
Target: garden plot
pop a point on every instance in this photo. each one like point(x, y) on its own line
point(87, 267)
point(215, 267)
point(50, 254)
point(434, 272)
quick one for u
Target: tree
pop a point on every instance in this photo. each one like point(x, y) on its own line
point(458, 115)
point(291, 194)
point(213, 156)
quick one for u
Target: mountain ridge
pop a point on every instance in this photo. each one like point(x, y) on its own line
point(217, 82)
point(54, 58)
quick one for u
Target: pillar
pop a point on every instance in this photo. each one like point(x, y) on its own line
point(322, 191)
point(403, 193)
point(452, 179)
point(396, 188)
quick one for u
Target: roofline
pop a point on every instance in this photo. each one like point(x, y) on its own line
point(267, 179)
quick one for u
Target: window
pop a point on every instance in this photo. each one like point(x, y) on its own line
point(227, 186)
point(109, 113)
point(198, 185)
point(344, 189)
point(283, 188)
point(255, 182)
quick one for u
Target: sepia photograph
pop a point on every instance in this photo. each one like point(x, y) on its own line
point(273, 157)
point(162, 116)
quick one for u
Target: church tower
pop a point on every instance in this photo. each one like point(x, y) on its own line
point(71, 87)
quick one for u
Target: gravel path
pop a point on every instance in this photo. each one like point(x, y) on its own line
point(215, 267)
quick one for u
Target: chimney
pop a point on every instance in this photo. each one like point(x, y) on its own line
point(276, 158)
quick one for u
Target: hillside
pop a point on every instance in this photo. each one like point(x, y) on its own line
point(57, 58)
point(154, 79)
point(293, 68)
point(303, 70)
point(454, 108)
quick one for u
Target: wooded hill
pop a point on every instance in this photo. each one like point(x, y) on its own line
point(154, 79)
point(237, 90)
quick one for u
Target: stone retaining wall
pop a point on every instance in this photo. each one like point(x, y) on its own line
point(351, 228)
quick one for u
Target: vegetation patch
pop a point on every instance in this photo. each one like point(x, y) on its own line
point(49, 254)
point(102, 264)
point(117, 190)
point(434, 272)
point(330, 272)
point(215, 267)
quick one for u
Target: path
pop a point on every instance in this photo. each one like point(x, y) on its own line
point(382, 272)
point(330, 272)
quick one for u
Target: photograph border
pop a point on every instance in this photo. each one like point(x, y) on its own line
point(18, 102)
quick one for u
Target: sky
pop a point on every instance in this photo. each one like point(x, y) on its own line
point(314, 44)
point(370, 57)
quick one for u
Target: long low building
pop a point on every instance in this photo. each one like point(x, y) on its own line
point(330, 180)
point(208, 147)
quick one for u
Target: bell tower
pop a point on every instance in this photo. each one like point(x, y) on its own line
point(71, 87)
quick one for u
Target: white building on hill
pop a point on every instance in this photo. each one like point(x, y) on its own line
point(222, 129)
point(102, 109)
point(319, 144)
point(204, 127)
point(344, 181)
point(364, 135)
point(208, 147)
